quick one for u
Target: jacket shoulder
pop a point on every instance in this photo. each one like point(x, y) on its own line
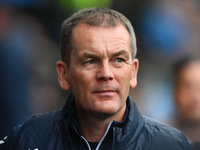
point(45, 120)
point(34, 131)
point(162, 128)
point(164, 136)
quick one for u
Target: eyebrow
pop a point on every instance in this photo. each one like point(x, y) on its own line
point(86, 55)
point(115, 54)
point(121, 52)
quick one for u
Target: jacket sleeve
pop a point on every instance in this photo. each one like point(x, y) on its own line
point(10, 142)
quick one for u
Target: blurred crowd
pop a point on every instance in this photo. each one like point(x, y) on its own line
point(167, 31)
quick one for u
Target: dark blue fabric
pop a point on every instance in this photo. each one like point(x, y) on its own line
point(57, 131)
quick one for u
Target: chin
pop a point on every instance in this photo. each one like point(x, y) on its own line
point(110, 109)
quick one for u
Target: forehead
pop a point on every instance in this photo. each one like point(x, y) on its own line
point(86, 35)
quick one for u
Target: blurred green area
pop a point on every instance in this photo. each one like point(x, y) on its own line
point(74, 5)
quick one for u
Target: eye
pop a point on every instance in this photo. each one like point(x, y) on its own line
point(91, 61)
point(118, 62)
point(119, 59)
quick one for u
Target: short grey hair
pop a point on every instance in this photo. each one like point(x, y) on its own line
point(101, 17)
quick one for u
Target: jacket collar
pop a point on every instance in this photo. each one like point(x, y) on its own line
point(128, 132)
point(125, 132)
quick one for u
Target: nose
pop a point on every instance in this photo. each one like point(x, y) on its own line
point(105, 72)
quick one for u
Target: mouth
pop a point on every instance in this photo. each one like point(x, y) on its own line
point(105, 93)
point(105, 90)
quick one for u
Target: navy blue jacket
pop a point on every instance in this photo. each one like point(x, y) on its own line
point(58, 130)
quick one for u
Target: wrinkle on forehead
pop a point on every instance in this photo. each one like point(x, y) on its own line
point(97, 37)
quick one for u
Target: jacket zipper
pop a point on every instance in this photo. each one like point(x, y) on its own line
point(98, 146)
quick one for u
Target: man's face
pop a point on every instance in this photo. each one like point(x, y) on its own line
point(188, 92)
point(101, 69)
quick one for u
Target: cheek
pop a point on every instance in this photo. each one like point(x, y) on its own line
point(124, 77)
point(79, 81)
point(74, 80)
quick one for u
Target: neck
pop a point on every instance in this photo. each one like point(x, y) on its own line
point(93, 126)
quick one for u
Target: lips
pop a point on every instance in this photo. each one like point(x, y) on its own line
point(107, 90)
point(105, 93)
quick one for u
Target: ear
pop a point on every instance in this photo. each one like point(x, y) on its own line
point(133, 81)
point(62, 71)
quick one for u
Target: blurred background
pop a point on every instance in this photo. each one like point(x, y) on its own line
point(166, 31)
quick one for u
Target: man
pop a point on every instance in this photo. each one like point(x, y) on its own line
point(187, 96)
point(98, 49)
